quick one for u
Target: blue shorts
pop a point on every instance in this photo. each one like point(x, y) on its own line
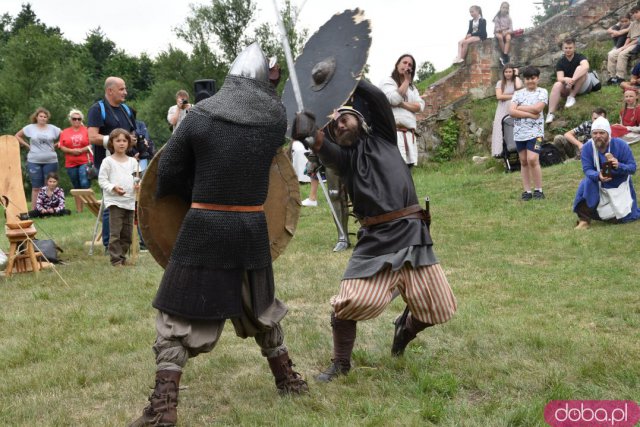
point(534, 145)
point(38, 172)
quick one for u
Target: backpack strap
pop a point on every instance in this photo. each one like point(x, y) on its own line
point(102, 111)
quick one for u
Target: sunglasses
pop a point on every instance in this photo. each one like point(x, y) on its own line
point(76, 119)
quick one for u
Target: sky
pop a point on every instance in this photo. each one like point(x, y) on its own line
point(427, 29)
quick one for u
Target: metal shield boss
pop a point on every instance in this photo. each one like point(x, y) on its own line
point(330, 66)
point(160, 219)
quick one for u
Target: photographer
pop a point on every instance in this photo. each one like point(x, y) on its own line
point(177, 112)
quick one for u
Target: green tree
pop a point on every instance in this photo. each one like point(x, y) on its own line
point(425, 71)
point(27, 17)
point(98, 50)
point(224, 20)
point(549, 8)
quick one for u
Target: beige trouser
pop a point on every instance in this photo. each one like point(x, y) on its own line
point(425, 290)
point(618, 59)
point(178, 338)
point(408, 146)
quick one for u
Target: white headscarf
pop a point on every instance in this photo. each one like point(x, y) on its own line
point(601, 124)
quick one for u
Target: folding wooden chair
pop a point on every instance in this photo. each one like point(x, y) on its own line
point(20, 232)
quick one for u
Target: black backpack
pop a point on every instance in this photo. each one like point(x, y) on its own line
point(550, 155)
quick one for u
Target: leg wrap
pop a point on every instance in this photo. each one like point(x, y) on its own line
point(271, 342)
point(170, 354)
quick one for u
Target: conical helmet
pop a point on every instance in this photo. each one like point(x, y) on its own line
point(251, 63)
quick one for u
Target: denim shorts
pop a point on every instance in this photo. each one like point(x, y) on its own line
point(534, 145)
point(38, 172)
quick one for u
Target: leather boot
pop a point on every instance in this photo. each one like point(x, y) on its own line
point(407, 328)
point(162, 409)
point(344, 337)
point(288, 381)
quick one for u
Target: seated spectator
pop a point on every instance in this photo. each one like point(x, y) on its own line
point(618, 32)
point(572, 72)
point(618, 59)
point(634, 81)
point(570, 144)
point(50, 200)
point(476, 32)
point(608, 163)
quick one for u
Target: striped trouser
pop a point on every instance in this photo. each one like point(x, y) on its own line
point(425, 290)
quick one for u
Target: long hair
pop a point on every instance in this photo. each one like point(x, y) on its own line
point(478, 8)
point(500, 10)
point(503, 83)
point(395, 75)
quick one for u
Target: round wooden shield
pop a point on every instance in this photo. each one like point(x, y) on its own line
point(160, 219)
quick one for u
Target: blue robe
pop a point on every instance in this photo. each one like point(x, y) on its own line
point(588, 189)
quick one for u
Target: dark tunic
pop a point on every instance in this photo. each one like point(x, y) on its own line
point(221, 154)
point(379, 181)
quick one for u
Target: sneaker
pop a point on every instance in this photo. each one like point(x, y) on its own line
point(537, 194)
point(458, 60)
point(571, 101)
point(310, 203)
point(502, 60)
point(526, 196)
point(506, 58)
point(550, 118)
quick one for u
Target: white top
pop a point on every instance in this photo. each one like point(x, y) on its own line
point(112, 173)
point(172, 111)
point(403, 117)
point(525, 129)
point(42, 143)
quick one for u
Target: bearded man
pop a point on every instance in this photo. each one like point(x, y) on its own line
point(220, 266)
point(394, 248)
point(607, 163)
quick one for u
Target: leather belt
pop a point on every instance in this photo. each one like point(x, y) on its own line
point(413, 211)
point(404, 131)
point(227, 208)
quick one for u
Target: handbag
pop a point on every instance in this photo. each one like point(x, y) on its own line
point(614, 202)
point(92, 171)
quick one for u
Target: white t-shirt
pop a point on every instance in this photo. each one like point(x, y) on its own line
point(172, 111)
point(525, 129)
point(112, 173)
point(42, 143)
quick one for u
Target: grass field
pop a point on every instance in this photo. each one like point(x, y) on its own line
point(545, 312)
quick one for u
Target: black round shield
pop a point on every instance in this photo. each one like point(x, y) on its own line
point(330, 66)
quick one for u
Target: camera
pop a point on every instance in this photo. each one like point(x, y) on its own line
point(185, 102)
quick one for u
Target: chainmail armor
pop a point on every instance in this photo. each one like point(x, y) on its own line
point(220, 154)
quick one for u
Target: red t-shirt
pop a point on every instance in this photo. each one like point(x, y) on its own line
point(630, 116)
point(72, 138)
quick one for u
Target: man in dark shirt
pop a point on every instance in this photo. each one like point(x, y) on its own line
point(394, 248)
point(104, 116)
point(572, 72)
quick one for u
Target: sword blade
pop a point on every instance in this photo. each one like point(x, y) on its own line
point(287, 54)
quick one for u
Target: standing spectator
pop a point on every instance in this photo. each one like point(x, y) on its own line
point(527, 107)
point(604, 150)
point(50, 199)
point(177, 112)
point(42, 157)
point(103, 117)
point(618, 59)
point(572, 72)
point(476, 32)
point(569, 144)
point(144, 149)
point(405, 102)
point(502, 31)
point(505, 88)
point(118, 186)
point(74, 143)
point(618, 31)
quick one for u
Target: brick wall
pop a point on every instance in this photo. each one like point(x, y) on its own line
point(476, 78)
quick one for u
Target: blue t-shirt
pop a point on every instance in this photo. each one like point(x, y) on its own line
point(115, 117)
